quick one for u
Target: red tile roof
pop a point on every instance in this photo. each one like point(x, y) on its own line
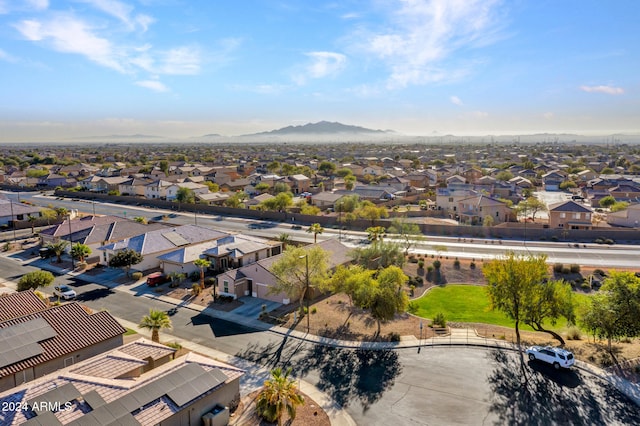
point(13, 305)
point(75, 328)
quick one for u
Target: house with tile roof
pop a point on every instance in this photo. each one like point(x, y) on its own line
point(570, 215)
point(256, 279)
point(36, 340)
point(475, 209)
point(141, 383)
point(628, 218)
point(231, 251)
point(153, 244)
point(10, 210)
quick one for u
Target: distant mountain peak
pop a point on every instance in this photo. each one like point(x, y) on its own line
point(322, 127)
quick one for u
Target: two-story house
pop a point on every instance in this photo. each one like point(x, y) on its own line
point(569, 215)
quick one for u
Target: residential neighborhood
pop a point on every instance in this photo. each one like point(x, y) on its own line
point(169, 280)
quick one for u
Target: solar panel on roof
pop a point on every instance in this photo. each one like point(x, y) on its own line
point(20, 341)
point(45, 419)
point(94, 399)
point(195, 387)
point(60, 395)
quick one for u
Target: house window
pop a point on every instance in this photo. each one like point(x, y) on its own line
point(576, 215)
point(257, 257)
point(68, 361)
point(225, 283)
point(563, 215)
point(451, 199)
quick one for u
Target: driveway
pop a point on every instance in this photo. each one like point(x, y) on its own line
point(252, 306)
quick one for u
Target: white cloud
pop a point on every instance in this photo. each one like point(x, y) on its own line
point(4, 56)
point(154, 85)
point(425, 33)
point(180, 60)
point(321, 65)
point(71, 35)
point(609, 90)
point(123, 12)
point(456, 100)
point(25, 5)
point(548, 115)
point(38, 4)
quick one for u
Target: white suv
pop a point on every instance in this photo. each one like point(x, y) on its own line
point(557, 357)
point(65, 292)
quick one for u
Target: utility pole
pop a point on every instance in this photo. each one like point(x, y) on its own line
point(306, 289)
point(71, 244)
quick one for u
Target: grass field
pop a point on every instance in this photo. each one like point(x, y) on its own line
point(470, 303)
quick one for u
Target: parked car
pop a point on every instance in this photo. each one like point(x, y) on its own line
point(45, 253)
point(557, 357)
point(157, 278)
point(64, 292)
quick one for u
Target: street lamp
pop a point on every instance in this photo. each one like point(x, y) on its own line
point(306, 289)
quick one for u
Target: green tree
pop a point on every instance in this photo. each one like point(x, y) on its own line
point(49, 214)
point(213, 187)
point(606, 202)
point(291, 275)
point(58, 248)
point(410, 233)
point(236, 200)
point(384, 297)
point(344, 172)
point(273, 167)
point(185, 195)
point(327, 168)
point(80, 251)
point(530, 206)
point(32, 219)
point(511, 281)
point(376, 234)
point(164, 167)
point(504, 175)
point(278, 203)
point(379, 255)
point(350, 280)
point(285, 239)
point(279, 394)
point(618, 206)
point(615, 311)
point(35, 279)
point(262, 187)
point(549, 301)
point(125, 259)
point(202, 264)
point(347, 204)
point(141, 219)
point(349, 182)
point(371, 212)
point(281, 187)
point(315, 229)
point(156, 320)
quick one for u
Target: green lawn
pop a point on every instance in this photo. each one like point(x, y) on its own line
point(130, 332)
point(469, 303)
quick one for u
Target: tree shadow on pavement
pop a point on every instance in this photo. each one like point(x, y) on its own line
point(348, 376)
point(91, 295)
point(547, 396)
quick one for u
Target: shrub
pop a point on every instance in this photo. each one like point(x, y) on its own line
point(136, 275)
point(575, 268)
point(412, 290)
point(421, 264)
point(174, 345)
point(194, 276)
point(573, 333)
point(554, 239)
point(413, 260)
point(429, 269)
point(393, 336)
point(456, 263)
point(209, 281)
point(314, 310)
point(557, 268)
point(609, 241)
point(566, 270)
point(437, 264)
point(419, 281)
point(599, 272)
point(585, 286)
point(440, 320)
point(195, 289)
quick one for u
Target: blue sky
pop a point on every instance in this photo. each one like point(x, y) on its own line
point(180, 68)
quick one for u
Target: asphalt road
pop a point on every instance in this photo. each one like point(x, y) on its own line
point(617, 256)
point(436, 386)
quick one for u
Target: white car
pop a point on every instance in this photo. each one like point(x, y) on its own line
point(557, 357)
point(64, 292)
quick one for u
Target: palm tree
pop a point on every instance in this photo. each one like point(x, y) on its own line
point(155, 321)
point(285, 239)
point(315, 229)
point(31, 219)
point(58, 248)
point(203, 263)
point(61, 212)
point(80, 251)
point(278, 394)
